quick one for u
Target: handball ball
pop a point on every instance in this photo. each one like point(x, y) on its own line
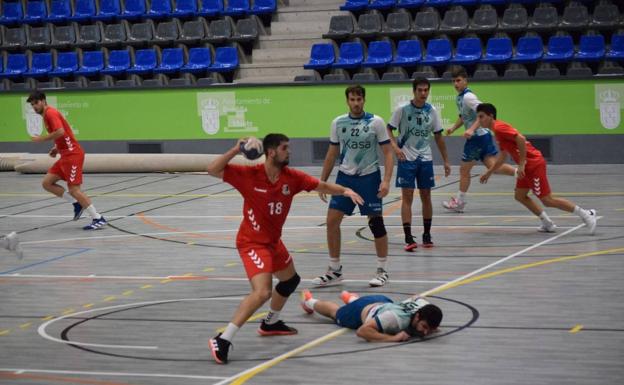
point(251, 148)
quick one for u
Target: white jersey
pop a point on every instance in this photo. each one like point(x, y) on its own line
point(467, 103)
point(416, 126)
point(358, 139)
point(394, 317)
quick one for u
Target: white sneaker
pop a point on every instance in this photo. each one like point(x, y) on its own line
point(380, 279)
point(332, 277)
point(591, 221)
point(14, 245)
point(549, 227)
point(454, 205)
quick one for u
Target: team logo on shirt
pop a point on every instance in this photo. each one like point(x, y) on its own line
point(285, 189)
point(344, 129)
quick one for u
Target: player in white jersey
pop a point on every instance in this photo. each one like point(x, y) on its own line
point(11, 243)
point(417, 122)
point(354, 141)
point(479, 144)
point(377, 317)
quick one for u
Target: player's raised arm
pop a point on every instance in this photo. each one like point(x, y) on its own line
point(216, 167)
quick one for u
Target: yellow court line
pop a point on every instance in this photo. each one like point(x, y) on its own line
point(208, 269)
point(47, 318)
point(127, 292)
point(146, 287)
point(576, 329)
point(231, 264)
point(5, 332)
point(25, 325)
point(252, 318)
point(109, 298)
point(88, 305)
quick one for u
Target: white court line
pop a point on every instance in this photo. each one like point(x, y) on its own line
point(118, 374)
point(445, 215)
point(276, 360)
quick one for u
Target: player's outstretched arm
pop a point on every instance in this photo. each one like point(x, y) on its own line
point(500, 159)
point(216, 167)
point(369, 332)
point(52, 136)
point(336, 189)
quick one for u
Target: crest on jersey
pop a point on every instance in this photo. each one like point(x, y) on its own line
point(285, 190)
point(344, 129)
point(609, 108)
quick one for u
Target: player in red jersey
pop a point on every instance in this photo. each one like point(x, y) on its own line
point(267, 190)
point(69, 167)
point(531, 173)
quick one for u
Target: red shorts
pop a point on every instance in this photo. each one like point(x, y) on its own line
point(69, 168)
point(536, 180)
point(263, 258)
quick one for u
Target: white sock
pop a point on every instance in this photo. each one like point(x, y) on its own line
point(461, 196)
point(67, 196)
point(382, 262)
point(230, 331)
point(544, 217)
point(334, 264)
point(580, 212)
point(311, 302)
point(93, 213)
point(272, 317)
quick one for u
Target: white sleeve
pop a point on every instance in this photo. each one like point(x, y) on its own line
point(380, 130)
point(333, 135)
point(395, 120)
point(471, 101)
point(436, 121)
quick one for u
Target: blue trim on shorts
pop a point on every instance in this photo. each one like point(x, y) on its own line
point(365, 185)
point(412, 173)
point(479, 148)
point(350, 315)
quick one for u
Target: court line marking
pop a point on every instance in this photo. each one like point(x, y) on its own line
point(352, 217)
point(80, 251)
point(119, 374)
point(242, 377)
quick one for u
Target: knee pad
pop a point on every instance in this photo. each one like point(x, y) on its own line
point(286, 288)
point(376, 224)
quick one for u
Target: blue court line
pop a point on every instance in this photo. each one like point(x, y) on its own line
point(80, 251)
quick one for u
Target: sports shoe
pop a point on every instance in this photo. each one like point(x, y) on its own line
point(427, 243)
point(219, 349)
point(332, 277)
point(276, 329)
point(454, 205)
point(305, 296)
point(78, 210)
point(96, 224)
point(380, 278)
point(591, 221)
point(14, 245)
point(410, 246)
point(549, 227)
point(348, 297)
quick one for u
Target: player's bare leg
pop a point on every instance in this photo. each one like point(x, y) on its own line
point(288, 281)
point(407, 199)
point(325, 308)
point(97, 220)
point(49, 184)
point(522, 196)
point(427, 214)
point(504, 169)
point(375, 223)
point(81, 197)
point(334, 272)
point(260, 293)
point(458, 203)
point(587, 216)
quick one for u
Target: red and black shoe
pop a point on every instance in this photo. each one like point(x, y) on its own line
point(219, 349)
point(427, 243)
point(276, 329)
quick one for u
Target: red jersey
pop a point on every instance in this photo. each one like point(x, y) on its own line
point(506, 138)
point(266, 205)
point(66, 144)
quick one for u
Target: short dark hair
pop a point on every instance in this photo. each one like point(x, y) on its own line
point(487, 108)
point(430, 313)
point(420, 80)
point(356, 89)
point(35, 96)
point(273, 141)
point(459, 72)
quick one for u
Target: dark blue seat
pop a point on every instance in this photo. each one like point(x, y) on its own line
point(60, 11)
point(408, 53)
point(185, 8)
point(199, 60)
point(84, 10)
point(159, 9)
point(92, 63)
point(12, 12)
point(322, 56)
point(226, 60)
point(16, 66)
point(351, 55)
point(145, 61)
point(410, 3)
point(134, 9)
point(264, 7)
point(109, 10)
point(354, 5)
point(499, 50)
point(66, 64)
point(439, 52)
point(382, 4)
point(118, 62)
point(211, 8)
point(172, 61)
point(36, 11)
point(468, 51)
point(465, 3)
point(379, 54)
point(40, 66)
point(560, 49)
point(529, 49)
point(591, 48)
point(236, 8)
point(495, 2)
point(437, 3)
point(616, 52)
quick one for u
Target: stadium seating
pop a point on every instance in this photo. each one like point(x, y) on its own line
point(379, 54)
point(199, 60)
point(264, 7)
point(226, 60)
point(134, 9)
point(171, 62)
point(41, 65)
point(36, 11)
point(354, 5)
point(439, 52)
point(468, 51)
point(60, 11)
point(12, 12)
point(498, 50)
point(92, 63)
point(616, 52)
point(16, 66)
point(408, 53)
point(211, 8)
point(84, 10)
point(160, 9)
point(351, 55)
point(185, 8)
point(560, 49)
point(236, 8)
point(397, 24)
point(591, 48)
point(118, 62)
point(63, 36)
point(145, 61)
point(66, 64)
point(529, 49)
point(322, 56)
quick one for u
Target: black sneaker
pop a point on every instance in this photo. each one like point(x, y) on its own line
point(219, 349)
point(427, 240)
point(78, 210)
point(277, 329)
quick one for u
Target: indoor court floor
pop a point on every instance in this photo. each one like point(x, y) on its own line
point(136, 302)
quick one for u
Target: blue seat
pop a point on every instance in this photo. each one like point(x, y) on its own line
point(529, 49)
point(226, 60)
point(264, 7)
point(439, 52)
point(236, 8)
point(468, 51)
point(109, 10)
point(211, 8)
point(145, 61)
point(134, 9)
point(351, 55)
point(118, 62)
point(465, 3)
point(12, 12)
point(159, 9)
point(616, 52)
point(322, 56)
point(560, 49)
point(41, 65)
point(354, 5)
point(199, 60)
point(185, 8)
point(382, 4)
point(92, 63)
point(84, 10)
point(410, 3)
point(66, 64)
point(408, 53)
point(379, 54)
point(437, 3)
point(499, 50)
point(16, 66)
point(591, 48)
point(60, 11)
point(172, 61)
point(36, 11)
